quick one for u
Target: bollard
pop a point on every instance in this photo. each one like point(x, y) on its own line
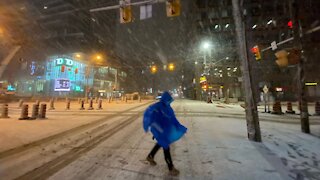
point(289, 108)
point(96, 100)
point(20, 103)
point(90, 105)
point(82, 105)
point(24, 112)
point(35, 111)
point(277, 108)
point(317, 108)
point(100, 104)
point(68, 104)
point(4, 111)
point(125, 99)
point(43, 111)
point(52, 104)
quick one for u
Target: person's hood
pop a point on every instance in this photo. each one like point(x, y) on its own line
point(166, 98)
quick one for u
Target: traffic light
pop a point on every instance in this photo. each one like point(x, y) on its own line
point(171, 67)
point(282, 58)
point(153, 69)
point(62, 68)
point(290, 24)
point(173, 8)
point(255, 50)
point(125, 11)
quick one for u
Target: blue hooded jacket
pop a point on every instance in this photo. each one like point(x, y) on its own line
point(160, 119)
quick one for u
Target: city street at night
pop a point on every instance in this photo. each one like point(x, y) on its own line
point(159, 89)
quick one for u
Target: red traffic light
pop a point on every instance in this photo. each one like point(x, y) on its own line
point(290, 24)
point(254, 50)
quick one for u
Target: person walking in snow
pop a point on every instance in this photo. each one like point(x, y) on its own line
point(160, 119)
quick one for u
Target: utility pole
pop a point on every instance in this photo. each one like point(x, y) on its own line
point(198, 90)
point(297, 34)
point(252, 118)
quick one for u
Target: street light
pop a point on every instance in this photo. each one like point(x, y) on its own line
point(77, 55)
point(98, 57)
point(171, 67)
point(153, 69)
point(206, 45)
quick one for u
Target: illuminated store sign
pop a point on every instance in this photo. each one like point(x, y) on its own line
point(64, 61)
point(32, 68)
point(62, 85)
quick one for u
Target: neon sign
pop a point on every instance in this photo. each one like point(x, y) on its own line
point(64, 61)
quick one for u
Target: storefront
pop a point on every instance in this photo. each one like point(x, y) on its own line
point(67, 77)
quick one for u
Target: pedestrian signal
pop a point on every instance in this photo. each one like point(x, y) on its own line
point(288, 57)
point(282, 58)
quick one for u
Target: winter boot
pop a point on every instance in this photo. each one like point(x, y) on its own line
point(151, 161)
point(174, 172)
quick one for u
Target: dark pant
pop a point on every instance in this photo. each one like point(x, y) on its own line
point(167, 155)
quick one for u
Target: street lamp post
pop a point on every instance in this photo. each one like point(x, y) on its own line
point(205, 46)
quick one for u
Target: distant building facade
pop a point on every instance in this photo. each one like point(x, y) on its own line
point(64, 75)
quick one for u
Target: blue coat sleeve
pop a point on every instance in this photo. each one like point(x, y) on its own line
point(147, 118)
point(150, 116)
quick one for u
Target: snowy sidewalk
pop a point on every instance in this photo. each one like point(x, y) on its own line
point(14, 132)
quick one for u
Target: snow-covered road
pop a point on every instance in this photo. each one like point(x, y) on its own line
point(215, 147)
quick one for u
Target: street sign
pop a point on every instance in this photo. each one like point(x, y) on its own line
point(274, 45)
point(145, 11)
